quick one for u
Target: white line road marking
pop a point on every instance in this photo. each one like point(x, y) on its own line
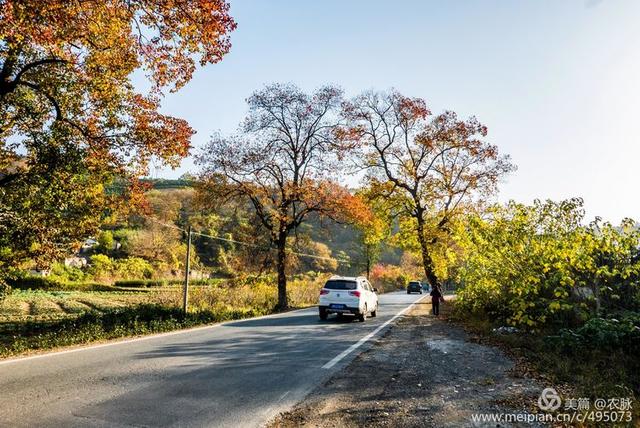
point(359, 343)
point(139, 339)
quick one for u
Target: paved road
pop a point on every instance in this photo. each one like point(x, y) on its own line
point(233, 374)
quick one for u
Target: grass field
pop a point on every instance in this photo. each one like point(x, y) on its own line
point(33, 320)
point(36, 305)
point(43, 319)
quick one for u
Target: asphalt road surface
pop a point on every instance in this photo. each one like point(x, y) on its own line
point(239, 373)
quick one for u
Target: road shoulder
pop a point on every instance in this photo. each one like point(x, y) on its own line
point(424, 371)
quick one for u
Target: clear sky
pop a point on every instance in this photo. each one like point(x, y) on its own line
point(556, 82)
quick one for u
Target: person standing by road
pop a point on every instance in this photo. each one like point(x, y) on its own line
point(436, 297)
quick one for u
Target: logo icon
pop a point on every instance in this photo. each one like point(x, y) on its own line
point(549, 400)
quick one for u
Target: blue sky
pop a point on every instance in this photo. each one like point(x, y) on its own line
point(556, 82)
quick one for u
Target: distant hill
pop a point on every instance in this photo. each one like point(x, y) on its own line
point(162, 183)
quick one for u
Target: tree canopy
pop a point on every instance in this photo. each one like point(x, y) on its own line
point(285, 163)
point(424, 167)
point(71, 119)
point(538, 265)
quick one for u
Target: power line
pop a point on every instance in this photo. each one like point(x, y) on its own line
point(248, 244)
point(220, 238)
point(166, 225)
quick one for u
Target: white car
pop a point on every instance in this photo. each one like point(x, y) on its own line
point(348, 295)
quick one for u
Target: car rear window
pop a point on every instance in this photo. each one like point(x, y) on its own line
point(341, 285)
point(414, 283)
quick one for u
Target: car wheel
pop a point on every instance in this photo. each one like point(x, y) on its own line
point(408, 292)
point(323, 314)
point(374, 313)
point(363, 316)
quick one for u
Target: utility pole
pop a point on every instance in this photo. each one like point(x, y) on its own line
point(185, 297)
point(366, 247)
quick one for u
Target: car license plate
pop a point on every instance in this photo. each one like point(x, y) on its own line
point(336, 306)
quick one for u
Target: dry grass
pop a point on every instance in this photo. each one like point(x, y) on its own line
point(259, 295)
point(23, 306)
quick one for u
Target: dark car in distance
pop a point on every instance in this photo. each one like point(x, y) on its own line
point(414, 287)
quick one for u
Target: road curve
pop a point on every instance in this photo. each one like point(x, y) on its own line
point(239, 373)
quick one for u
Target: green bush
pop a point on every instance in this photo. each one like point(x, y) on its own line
point(133, 267)
point(528, 266)
point(105, 242)
point(142, 283)
point(91, 326)
point(63, 273)
point(36, 283)
point(101, 266)
point(601, 356)
point(135, 283)
point(606, 334)
point(54, 284)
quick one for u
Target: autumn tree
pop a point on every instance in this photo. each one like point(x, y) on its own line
point(284, 162)
point(426, 168)
point(71, 116)
point(161, 246)
point(374, 226)
point(322, 259)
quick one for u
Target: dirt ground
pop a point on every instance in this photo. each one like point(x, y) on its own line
point(423, 372)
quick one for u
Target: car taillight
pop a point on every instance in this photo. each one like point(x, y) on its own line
point(354, 293)
point(323, 291)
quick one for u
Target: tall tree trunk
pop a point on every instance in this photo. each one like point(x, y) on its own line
point(427, 262)
point(281, 262)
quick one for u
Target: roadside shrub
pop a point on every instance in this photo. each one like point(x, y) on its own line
point(91, 326)
point(134, 283)
point(538, 267)
point(303, 290)
point(203, 281)
point(604, 334)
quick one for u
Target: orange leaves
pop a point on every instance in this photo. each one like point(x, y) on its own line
point(353, 209)
point(349, 136)
point(68, 64)
point(201, 26)
point(163, 35)
point(411, 109)
point(337, 202)
point(154, 131)
point(69, 110)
